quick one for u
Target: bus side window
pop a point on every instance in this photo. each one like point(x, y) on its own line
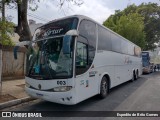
point(81, 58)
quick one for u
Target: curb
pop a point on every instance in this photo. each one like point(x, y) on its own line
point(15, 102)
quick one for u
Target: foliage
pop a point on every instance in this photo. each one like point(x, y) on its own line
point(8, 28)
point(151, 14)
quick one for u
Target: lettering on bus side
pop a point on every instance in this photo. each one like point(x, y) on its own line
point(87, 83)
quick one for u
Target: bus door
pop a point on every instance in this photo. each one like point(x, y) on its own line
point(85, 73)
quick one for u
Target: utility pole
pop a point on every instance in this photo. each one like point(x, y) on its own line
point(3, 20)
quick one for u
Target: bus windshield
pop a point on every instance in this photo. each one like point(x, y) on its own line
point(145, 61)
point(46, 60)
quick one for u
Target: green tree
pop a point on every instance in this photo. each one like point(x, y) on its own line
point(6, 28)
point(151, 13)
point(130, 26)
point(6, 31)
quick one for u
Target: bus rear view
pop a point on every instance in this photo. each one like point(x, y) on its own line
point(146, 62)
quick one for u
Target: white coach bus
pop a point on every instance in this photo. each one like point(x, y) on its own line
point(74, 58)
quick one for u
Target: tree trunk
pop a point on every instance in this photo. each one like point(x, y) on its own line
point(23, 29)
point(3, 21)
point(19, 27)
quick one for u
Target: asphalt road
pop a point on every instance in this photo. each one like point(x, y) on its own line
point(140, 95)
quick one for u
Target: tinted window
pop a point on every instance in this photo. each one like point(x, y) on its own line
point(104, 41)
point(130, 49)
point(87, 30)
point(124, 45)
point(116, 43)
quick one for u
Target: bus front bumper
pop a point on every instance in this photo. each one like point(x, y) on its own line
point(146, 70)
point(67, 98)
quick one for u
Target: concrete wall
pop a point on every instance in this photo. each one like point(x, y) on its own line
point(11, 68)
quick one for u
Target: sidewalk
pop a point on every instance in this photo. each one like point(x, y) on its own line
point(13, 93)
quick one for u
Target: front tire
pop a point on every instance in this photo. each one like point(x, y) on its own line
point(103, 88)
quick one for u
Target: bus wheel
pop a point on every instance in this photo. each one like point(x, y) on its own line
point(103, 88)
point(137, 75)
point(133, 77)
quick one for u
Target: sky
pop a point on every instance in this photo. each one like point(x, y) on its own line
point(99, 10)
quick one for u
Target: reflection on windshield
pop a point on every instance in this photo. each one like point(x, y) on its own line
point(45, 60)
point(56, 28)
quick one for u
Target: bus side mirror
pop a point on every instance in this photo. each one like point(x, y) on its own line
point(67, 41)
point(18, 45)
point(72, 33)
point(67, 44)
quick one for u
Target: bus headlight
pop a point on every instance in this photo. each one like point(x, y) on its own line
point(62, 88)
